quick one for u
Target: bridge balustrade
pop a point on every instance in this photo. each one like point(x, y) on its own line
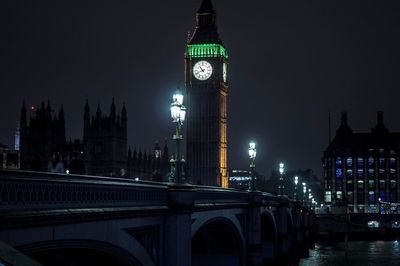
point(32, 191)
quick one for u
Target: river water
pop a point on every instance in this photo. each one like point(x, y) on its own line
point(363, 253)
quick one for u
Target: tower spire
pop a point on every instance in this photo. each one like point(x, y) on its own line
point(206, 26)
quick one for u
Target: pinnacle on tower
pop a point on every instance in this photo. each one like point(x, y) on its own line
point(206, 7)
point(112, 110)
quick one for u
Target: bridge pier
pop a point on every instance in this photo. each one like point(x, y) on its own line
point(254, 245)
point(178, 248)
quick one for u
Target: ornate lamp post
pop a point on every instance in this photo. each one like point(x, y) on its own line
point(178, 115)
point(252, 155)
point(296, 181)
point(281, 186)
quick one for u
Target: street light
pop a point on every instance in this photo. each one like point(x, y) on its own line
point(281, 186)
point(252, 155)
point(296, 181)
point(178, 115)
point(304, 192)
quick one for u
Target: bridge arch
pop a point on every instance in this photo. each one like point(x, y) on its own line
point(78, 235)
point(78, 252)
point(217, 242)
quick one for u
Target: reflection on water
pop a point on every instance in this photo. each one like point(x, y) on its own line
point(382, 253)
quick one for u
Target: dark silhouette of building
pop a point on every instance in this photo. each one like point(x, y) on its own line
point(149, 166)
point(41, 137)
point(105, 141)
point(207, 90)
point(360, 168)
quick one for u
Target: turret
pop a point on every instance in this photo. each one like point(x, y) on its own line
point(380, 127)
point(344, 127)
point(112, 112)
point(48, 110)
point(86, 118)
point(22, 121)
point(98, 112)
point(124, 118)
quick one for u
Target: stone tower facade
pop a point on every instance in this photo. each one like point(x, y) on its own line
point(207, 91)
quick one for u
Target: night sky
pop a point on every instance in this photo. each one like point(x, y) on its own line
point(291, 63)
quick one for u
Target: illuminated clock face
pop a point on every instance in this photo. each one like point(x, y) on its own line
point(224, 71)
point(202, 70)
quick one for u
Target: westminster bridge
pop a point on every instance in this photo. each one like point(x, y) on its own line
point(58, 219)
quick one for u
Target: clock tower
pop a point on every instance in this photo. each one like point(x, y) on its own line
point(207, 91)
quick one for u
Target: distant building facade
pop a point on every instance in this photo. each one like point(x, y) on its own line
point(152, 166)
point(103, 151)
point(361, 168)
point(9, 159)
point(240, 179)
point(105, 141)
point(307, 175)
point(42, 136)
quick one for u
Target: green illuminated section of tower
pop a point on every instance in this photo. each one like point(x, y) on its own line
point(206, 50)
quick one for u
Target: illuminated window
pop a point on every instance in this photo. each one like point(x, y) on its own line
point(382, 184)
point(382, 195)
point(381, 151)
point(206, 50)
point(371, 183)
point(349, 173)
point(393, 184)
point(338, 161)
point(360, 184)
point(392, 162)
point(328, 196)
point(360, 162)
point(371, 197)
point(382, 162)
point(349, 162)
point(371, 172)
point(339, 173)
point(339, 194)
point(350, 185)
point(350, 196)
point(371, 162)
point(360, 172)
